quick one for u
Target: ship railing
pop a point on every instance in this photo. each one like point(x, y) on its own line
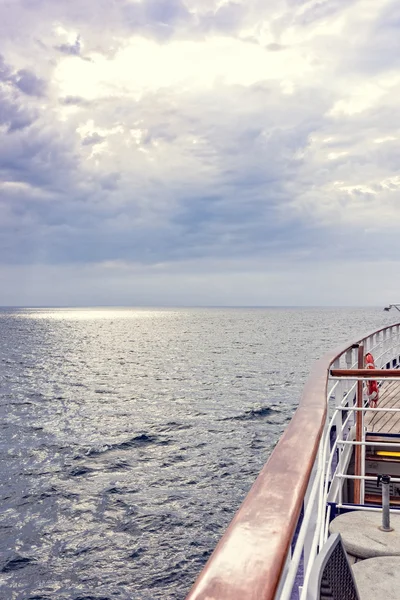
point(270, 546)
point(336, 449)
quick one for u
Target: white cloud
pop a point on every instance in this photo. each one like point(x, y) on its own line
point(199, 130)
point(145, 66)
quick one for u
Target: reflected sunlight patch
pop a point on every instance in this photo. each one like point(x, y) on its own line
point(89, 314)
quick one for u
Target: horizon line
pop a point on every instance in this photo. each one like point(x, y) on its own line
point(176, 306)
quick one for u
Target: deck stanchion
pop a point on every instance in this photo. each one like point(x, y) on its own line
point(358, 452)
point(384, 347)
point(362, 482)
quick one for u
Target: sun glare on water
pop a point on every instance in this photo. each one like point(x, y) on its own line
point(88, 314)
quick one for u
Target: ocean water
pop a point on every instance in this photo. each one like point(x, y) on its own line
point(129, 437)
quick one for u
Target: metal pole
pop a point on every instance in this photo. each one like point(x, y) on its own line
point(363, 449)
point(385, 479)
point(357, 461)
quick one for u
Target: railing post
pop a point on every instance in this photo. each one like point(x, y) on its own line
point(339, 423)
point(378, 362)
point(362, 482)
point(384, 346)
point(347, 385)
point(309, 535)
point(358, 452)
point(398, 343)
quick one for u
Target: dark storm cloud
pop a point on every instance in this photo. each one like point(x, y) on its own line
point(323, 10)
point(156, 18)
point(41, 157)
point(29, 84)
point(379, 50)
point(70, 49)
point(5, 70)
point(24, 79)
point(13, 115)
point(75, 101)
point(93, 139)
point(165, 11)
point(227, 18)
point(165, 19)
point(109, 182)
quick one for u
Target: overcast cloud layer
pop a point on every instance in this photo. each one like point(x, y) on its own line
point(199, 152)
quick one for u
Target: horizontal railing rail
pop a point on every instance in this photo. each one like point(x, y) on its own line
point(365, 477)
point(253, 559)
point(366, 409)
point(368, 443)
point(366, 373)
point(363, 507)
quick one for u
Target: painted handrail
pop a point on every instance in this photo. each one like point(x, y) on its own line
point(249, 560)
point(366, 374)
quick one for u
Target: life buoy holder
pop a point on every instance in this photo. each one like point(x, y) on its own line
point(372, 386)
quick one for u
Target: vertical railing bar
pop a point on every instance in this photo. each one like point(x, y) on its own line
point(357, 466)
point(363, 449)
point(296, 556)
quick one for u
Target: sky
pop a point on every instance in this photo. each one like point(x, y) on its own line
point(199, 152)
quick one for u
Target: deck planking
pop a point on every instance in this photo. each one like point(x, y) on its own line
point(380, 422)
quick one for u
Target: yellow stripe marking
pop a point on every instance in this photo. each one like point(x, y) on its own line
point(388, 453)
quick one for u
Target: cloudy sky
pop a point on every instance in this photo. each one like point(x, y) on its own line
point(205, 152)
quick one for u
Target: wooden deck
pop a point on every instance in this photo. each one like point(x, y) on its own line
point(380, 422)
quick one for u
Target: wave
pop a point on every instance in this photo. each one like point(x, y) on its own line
point(143, 439)
point(78, 471)
point(18, 562)
point(252, 414)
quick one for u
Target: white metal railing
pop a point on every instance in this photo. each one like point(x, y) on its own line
point(366, 477)
point(334, 455)
point(284, 519)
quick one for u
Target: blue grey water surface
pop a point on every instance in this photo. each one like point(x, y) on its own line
point(129, 437)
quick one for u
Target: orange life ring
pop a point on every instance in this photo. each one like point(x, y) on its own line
point(372, 386)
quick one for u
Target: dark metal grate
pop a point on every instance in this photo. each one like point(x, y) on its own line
point(337, 582)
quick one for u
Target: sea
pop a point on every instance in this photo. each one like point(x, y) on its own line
point(130, 437)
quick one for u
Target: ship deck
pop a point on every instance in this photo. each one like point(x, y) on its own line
point(381, 422)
